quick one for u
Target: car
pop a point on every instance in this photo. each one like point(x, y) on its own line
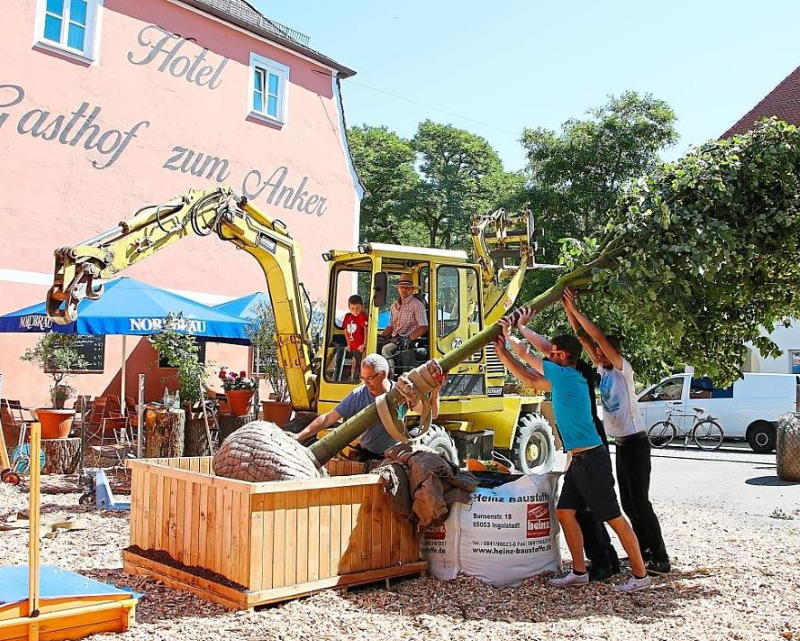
point(749, 409)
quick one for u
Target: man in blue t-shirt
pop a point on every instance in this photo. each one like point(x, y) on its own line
point(375, 440)
point(588, 479)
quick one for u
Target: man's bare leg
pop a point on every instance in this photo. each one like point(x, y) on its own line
point(574, 537)
point(627, 537)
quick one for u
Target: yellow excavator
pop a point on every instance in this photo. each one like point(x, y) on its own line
point(477, 418)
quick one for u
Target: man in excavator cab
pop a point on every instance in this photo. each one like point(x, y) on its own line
point(407, 322)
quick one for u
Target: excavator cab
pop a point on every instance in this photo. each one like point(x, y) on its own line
point(447, 285)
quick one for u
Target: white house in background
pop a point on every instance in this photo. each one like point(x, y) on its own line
point(784, 102)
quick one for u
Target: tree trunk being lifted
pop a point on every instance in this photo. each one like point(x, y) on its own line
point(62, 455)
point(163, 432)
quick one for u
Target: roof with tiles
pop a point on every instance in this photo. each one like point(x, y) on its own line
point(783, 101)
point(244, 15)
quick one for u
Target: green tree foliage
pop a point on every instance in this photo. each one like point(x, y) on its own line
point(577, 174)
point(385, 162)
point(58, 357)
point(424, 191)
point(701, 256)
point(180, 350)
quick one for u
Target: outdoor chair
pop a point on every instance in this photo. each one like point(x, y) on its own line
point(107, 433)
point(15, 421)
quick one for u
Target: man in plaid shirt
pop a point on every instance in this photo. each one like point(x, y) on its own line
point(407, 321)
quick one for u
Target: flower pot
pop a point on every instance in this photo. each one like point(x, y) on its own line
point(278, 412)
point(55, 423)
point(239, 401)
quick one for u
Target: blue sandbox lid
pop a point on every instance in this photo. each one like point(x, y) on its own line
point(54, 583)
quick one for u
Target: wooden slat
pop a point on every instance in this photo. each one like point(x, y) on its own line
point(202, 527)
point(185, 518)
point(243, 521)
point(306, 554)
point(335, 547)
point(386, 528)
point(156, 489)
point(212, 532)
point(290, 556)
point(194, 464)
point(267, 501)
point(136, 507)
point(347, 529)
point(219, 531)
point(164, 516)
point(147, 508)
point(325, 534)
point(257, 544)
point(377, 535)
point(192, 511)
point(396, 529)
point(279, 546)
point(224, 549)
point(175, 507)
point(234, 550)
point(364, 525)
point(312, 542)
point(205, 465)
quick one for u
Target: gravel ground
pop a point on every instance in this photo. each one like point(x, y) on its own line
point(736, 578)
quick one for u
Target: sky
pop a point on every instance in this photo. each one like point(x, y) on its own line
point(494, 68)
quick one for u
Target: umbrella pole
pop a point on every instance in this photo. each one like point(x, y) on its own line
point(122, 403)
point(140, 417)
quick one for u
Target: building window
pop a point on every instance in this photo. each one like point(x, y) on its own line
point(268, 87)
point(69, 27)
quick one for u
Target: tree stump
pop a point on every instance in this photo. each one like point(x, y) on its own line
point(196, 439)
point(228, 423)
point(62, 455)
point(163, 432)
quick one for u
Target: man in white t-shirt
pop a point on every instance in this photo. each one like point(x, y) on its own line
point(622, 421)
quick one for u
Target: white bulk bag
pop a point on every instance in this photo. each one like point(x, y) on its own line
point(440, 546)
point(510, 533)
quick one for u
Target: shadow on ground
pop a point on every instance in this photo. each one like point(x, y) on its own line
point(769, 480)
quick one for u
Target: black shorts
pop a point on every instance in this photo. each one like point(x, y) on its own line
point(589, 482)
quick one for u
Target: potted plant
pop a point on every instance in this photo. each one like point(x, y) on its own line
point(262, 333)
point(181, 351)
point(58, 357)
point(239, 389)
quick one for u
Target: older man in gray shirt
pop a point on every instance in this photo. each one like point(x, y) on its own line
point(375, 440)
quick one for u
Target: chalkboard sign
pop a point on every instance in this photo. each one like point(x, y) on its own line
point(93, 349)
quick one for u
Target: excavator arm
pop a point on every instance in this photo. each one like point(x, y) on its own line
point(200, 212)
point(496, 237)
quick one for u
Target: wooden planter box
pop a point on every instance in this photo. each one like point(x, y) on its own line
point(244, 544)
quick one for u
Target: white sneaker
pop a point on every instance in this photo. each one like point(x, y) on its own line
point(633, 584)
point(570, 580)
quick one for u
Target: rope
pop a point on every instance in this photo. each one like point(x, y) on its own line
point(415, 387)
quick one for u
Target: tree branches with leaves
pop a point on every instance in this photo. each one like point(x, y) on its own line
point(424, 191)
point(704, 254)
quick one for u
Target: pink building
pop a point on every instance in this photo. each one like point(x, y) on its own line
point(109, 105)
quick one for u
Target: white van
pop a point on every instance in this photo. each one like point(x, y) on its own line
point(749, 409)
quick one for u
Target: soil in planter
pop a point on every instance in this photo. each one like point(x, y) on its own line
point(162, 557)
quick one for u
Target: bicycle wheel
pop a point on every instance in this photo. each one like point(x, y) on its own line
point(708, 435)
point(661, 434)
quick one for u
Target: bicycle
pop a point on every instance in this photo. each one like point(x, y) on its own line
point(706, 433)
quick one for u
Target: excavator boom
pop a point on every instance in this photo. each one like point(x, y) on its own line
point(200, 212)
